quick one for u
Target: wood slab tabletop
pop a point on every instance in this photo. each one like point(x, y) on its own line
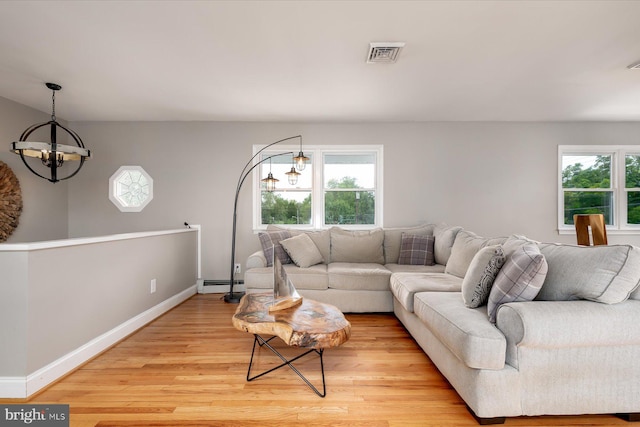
point(311, 324)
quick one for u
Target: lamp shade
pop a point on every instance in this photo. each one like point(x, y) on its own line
point(292, 176)
point(270, 182)
point(301, 161)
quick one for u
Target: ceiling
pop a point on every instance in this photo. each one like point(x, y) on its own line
point(306, 60)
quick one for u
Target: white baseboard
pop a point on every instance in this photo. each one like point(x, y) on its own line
point(23, 387)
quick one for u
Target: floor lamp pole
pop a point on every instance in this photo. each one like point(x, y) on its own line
point(232, 297)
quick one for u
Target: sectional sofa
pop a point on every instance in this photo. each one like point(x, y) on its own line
point(517, 327)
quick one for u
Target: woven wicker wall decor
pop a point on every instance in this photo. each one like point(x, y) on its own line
point(10, 201)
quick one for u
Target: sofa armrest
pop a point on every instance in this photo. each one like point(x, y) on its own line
point(570, 323)
point(563, 324)
point(256, 260)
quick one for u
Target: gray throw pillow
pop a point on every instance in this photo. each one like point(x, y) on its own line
point(604, 273)
point(465, 247)
point(357, 245)
point(416, 250)
point(445, 236)
point(302, 251)
point(520, 279)
point(270, 242)
point(482, 272)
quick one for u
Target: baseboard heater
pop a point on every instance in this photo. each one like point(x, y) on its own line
point(219, 286)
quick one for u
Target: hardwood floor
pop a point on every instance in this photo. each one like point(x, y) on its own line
point(188, 368)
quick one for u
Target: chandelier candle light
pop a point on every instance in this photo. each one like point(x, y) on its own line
point(51, 154)
point(300, 163)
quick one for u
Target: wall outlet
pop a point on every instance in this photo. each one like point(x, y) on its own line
point(153, 286)
point(237, 269)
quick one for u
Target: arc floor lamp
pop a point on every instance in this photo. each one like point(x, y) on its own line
point(299, 162)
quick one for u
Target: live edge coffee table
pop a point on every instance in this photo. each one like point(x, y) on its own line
point(311, 325)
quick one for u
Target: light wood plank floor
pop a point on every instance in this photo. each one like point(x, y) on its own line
point(188, 368)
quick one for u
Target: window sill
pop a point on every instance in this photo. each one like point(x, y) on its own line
point(610, 232)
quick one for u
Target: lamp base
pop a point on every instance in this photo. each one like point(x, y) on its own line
point(233, 297)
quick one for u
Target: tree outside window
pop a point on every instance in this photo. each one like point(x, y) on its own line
point(632, 187)
point(586, 180)
point(600, 179)
point(341, 185)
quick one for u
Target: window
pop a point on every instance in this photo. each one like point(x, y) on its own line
point(349, 187)
point(341, 185)
point(600, 179)
point(130, 188)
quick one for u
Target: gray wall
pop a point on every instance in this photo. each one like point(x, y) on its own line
point(55, 300)
point(44, 213)
point(492, 178)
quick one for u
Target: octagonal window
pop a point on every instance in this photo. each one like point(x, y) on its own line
point(130, 188)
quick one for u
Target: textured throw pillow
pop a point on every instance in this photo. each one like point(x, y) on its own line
point(322, 239)
point(416, 250)
point(481, 274)
point(302, 251)
point(519, 279)
point(465, 247)
point(270, 242)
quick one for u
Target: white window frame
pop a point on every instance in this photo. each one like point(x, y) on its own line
point(113, 189)
point(317, 190)
point(618, 184)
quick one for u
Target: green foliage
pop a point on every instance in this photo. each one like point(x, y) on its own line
point(344, 204)
point(632, 180)
point(277, 210)
point(348, 207)
point(599, 176)
point(596, 176)
point(588, 202)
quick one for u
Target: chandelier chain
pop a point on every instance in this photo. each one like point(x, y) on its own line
point(53, 106)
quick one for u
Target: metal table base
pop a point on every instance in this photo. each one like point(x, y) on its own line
point(286, 362)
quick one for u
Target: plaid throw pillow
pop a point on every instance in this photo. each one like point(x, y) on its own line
point(520, 279)
point(416, 250)
point(270, 242)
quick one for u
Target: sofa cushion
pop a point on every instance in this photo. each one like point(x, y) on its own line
point(393, 238)
point(416, 250)
point(481, 274)
point(357, 246)
point(464, 248)
point(314, 277)
point(404, 286)
point(404, 268)
point(444, 235)
point(467, 333)
point(270, 241)
point(607, 274)
point(302, 251)
point(321, 238)
point(520, 279)
point(358, 276)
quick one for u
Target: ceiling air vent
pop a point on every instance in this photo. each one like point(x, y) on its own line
point(635, 66)
point(384, 52)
